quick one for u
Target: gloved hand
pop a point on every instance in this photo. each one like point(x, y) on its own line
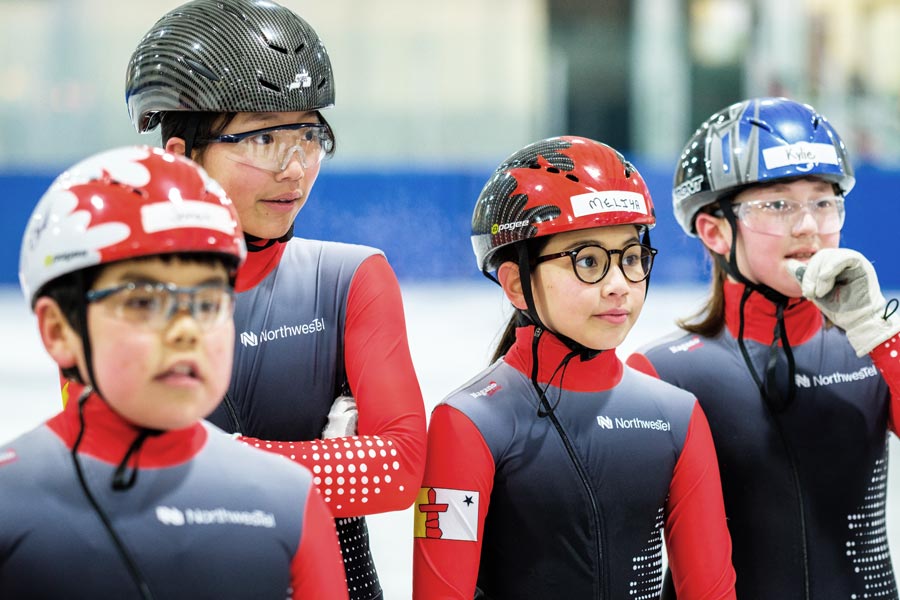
point(843, 284)
point(341, 418)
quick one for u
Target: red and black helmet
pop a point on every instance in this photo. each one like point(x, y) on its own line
point(556, 185)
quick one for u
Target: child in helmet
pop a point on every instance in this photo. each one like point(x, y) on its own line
point(240, 86)
point(797, 409)
point(129, 261)
point(553, 472)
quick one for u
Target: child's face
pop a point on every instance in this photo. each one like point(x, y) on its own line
point(267, 202)
point(164, 377)
point(597, 315)
point(761, 257)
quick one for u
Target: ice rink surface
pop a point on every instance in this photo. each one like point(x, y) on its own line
point(452, 330)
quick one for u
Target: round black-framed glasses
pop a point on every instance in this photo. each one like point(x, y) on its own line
point(590, 262)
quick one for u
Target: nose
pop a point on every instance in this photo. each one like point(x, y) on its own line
point(614, 282)
point(806, 224)
point(182, 327)
point(293, 165)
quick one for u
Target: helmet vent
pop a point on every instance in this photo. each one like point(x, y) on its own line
point(269, 85)
point(300, 48)
point(552, 170)
point(200, 69)
point(762, 124)
point(322, 83)
point(277, 48)
point(815, 121)
point(534, 165)
point(572, 177)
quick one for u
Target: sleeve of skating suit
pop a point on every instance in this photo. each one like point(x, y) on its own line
point(697, 538)
point(379, 469)
point(449, 512)
point(886, 357)
point(317, 570)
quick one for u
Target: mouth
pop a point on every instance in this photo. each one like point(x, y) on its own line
point(801, 255)
point(181, 373)
point(616, 316)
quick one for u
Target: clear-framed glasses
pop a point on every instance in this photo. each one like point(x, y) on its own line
point(272, 148)
point(154, 304)
point(591, 262)
point(779, 216)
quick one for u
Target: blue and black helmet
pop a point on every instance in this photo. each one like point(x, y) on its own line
point(756, 141)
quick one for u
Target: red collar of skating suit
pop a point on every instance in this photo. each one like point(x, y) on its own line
point(258, 264)
point(801, 317)
point(107, 436)
point(600, 373)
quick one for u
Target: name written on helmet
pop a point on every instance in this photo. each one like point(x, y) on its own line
point(594, 203)
point(688, 188)
point(498, 227)
point(801, 153)
point(162, 216)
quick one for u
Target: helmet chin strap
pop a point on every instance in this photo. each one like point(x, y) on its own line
point(252, 240)
point(530, 317)
point(768, 388)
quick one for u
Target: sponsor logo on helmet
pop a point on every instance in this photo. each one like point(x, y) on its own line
point(170, 515)
point(634, 423)
point(688, 188)
point(691, 344)
point(302, 79)
point(250, 338)
point(489, 390)
point(55, 258)
point(801, 153)
point(594, 203)
point(498, 227)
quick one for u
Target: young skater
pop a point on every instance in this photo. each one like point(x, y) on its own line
point(552, 473)
point(240, 86)
point(128, 262)
point(799, 414)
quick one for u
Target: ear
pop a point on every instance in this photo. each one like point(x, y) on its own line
point(714, 232)
point(508, 276)
point(175, 145)
point(60, 340)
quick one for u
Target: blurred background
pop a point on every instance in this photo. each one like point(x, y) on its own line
point(432, 95)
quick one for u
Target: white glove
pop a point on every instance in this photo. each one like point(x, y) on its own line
point(342, 418)
point(843, 284)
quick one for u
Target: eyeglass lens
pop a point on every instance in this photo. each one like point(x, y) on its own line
point(155, 304)
point(591, 263)
point(780, 216)
point(274, 149)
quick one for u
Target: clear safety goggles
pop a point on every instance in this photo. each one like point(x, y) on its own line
point(273, 148)
point(591, 262)
point(779, 216)
point(154, 304)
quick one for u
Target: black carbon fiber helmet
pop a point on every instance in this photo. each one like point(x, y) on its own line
point(556, 185)
point(228, 56)
point(756, 141)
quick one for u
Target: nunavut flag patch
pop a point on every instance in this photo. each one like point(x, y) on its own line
point(446, 514)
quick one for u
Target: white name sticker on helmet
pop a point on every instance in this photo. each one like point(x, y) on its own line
point(594, 203)
point(162, 216)
point(801, 153)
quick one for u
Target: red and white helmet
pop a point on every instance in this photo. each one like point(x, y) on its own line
point(126, 203)
point(553, 186)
